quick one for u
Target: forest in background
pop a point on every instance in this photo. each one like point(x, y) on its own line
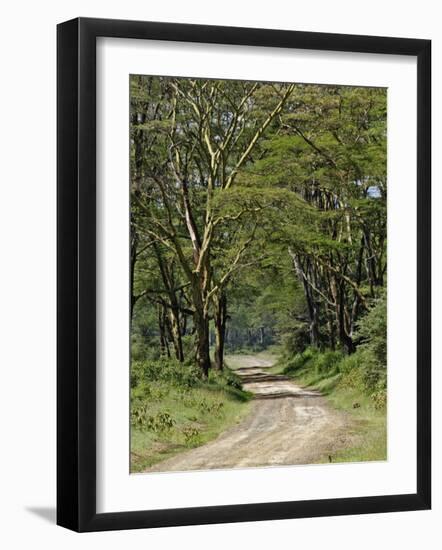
point(258, 219)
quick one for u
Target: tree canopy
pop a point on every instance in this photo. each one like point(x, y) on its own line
point(258, 214)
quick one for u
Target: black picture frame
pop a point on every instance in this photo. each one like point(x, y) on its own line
point(76, 274)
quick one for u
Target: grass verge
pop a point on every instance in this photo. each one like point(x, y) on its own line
point(369, 421)
point(169, 416)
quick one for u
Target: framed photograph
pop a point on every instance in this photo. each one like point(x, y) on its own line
point(243, 274)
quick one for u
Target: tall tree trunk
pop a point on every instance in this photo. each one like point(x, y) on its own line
point(220, 329)
point(202, 354)
point(201, 326)
point(174, 311)
point(133, 259)
point(344, 337)
point(312, 306)
point(174, 320)
point(139, 137)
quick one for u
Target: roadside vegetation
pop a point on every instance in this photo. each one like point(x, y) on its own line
point(173, 409)
point(356, 383)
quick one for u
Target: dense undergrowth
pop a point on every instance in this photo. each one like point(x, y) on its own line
point(173, 408)
point(364, 371)
point(329, 370)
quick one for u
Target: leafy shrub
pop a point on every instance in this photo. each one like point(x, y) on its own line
point(136, 373)
point(352, 376)
point(349, 362)
point(365, 370)
point(301, 360)
point(138, 415)
point(375, 375)
point(188, 342)
point(327, 362)
point(189, 402)
point(312, 358)
point(297, 339)
point(144, 340)
point(226, 377)
point(164, 370)
point(359, 373)
point(380, 398)
point(214, 408)
point(192, 435)
point(372, 334)
point(160, 422)
point(372, 331)
point(146, 390)
point(232, 379)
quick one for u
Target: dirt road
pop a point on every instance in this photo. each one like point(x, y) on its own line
point(286, 425)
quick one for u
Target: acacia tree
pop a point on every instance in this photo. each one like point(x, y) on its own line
point(224, 173)
point(205, 132)
point(331, 152)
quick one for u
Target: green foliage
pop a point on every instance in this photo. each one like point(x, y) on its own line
point(364, 371)
point(227, 377)
point(372, 332)
point(350, 363)
point(164, 370)
point(318, 364)
point(327, 362)
point(214, 408)
point(300, 360)
point(159, 423)
point(297, 339)
point(192, 435)
point(309, 188)
point(173, 408)
point(147, 390)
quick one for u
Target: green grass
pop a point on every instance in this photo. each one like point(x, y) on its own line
point(183, 416)
point(370, 426)
point(368, 422)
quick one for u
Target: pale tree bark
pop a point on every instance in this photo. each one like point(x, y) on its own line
point(217, 155)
